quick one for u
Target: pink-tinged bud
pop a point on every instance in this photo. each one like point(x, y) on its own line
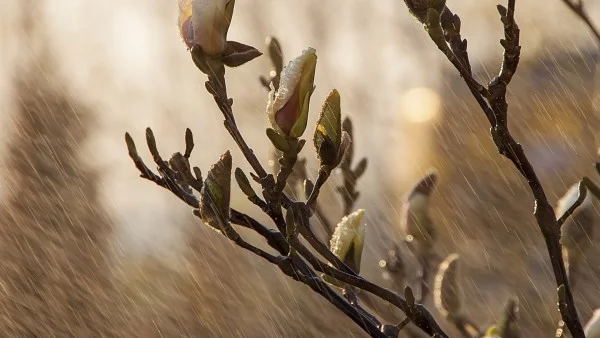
point(287, 107)
point(205, 23)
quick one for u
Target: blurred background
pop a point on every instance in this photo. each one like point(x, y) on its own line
point(87, 248)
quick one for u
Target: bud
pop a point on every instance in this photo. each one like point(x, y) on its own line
point(205, 23)
point(419, 8)
point(215, 196)
point(328, 133)
point(447, 294)
point(415, 220)
point(592, 328)
point(492, 332)
point(287, 107)
point(507, 323)
point(244, 183)
point(578, 229)
point(348, 240)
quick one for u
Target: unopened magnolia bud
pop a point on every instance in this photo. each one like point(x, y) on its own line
point(592, 328)
point(244, 183)
point(205, 23)
point(275, 53)
point(348, 239)
point(328, 133)
point(287, 107)
point(447, 294)
point(415, 221)
point(215, 195)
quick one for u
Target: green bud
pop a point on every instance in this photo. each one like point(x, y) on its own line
point(215, 196)
point(328, 133)
point(244, 183)
point(280, 142)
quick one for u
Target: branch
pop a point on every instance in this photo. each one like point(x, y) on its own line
point(496, 110)
point(419, 314)
point(577, 7)
point(176, 176)
point(580, 198)
point(216, 86)
point(591, 186)
point(277, 240)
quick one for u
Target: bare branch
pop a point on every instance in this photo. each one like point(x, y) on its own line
point(577, 7)
point(496, 110)
point(582, 193)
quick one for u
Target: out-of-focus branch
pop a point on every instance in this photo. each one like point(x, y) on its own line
point(350, 175)
point(582, 193)
point(577, 6)
point(444, 28)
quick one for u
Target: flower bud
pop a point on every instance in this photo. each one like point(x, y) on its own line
point(205, 23)
point(447, 294)
point(215, 197)
point(415, 220)
point(328, 133)
point(348, 239)
point(287, 107)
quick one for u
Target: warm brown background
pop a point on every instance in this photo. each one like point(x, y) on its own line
point(87, 248)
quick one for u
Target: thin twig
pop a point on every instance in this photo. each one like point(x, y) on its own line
point(579, 10)
point(580, 198)
point(419, 314)
point(591, 186)
point(322, 177)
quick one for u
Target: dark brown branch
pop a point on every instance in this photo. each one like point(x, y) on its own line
point(216, 86)
point(320, 213)
point(419, 315)
point(167, 181)
point(322, 177)
point(496, 110)
point(324, 290)
point(176, 176)
point(276, 240)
